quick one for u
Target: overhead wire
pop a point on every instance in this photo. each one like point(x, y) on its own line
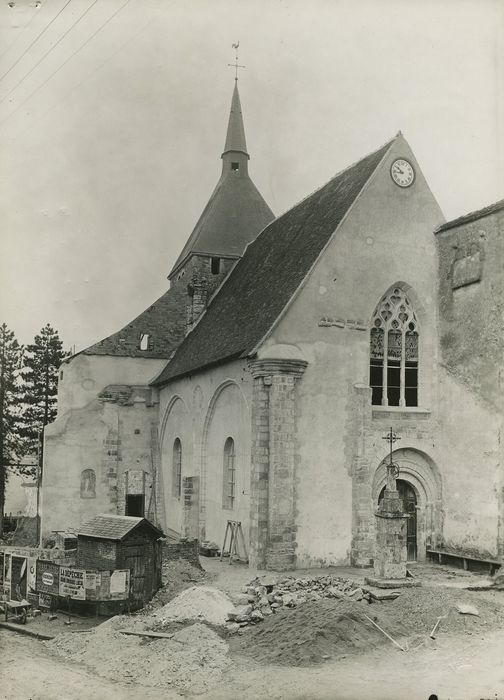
point(90, 38)
point(35, 40)
point(65, 34)
point(98, 67)
point(37, 11)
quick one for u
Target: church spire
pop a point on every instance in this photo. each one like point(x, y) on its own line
point(236, 212)
point(235, 137)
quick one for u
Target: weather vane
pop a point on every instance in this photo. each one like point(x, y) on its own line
point(236, 65)
point(392, 467)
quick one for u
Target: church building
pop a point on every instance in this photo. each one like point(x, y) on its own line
point(259, 388)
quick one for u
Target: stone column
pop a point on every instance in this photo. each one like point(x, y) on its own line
point(273, 523)
point(391, 533)
point(363, 526)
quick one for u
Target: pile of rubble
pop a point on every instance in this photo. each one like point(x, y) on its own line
point(261, 598)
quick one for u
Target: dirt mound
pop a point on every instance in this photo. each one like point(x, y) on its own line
point(315, 632)
point(202, 603)
point(178, 575)
point(192, 661)
point(418, 609)
point(329, 628)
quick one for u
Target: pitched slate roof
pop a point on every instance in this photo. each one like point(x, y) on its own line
point(472, 216)
point(271, 270)
point(163, 322)
point(114, 527)
point(234, 215)
point(236, 211)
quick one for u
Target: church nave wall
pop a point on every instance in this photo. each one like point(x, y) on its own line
point(204, 411)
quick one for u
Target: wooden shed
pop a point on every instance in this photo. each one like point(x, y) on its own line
point(123, 542)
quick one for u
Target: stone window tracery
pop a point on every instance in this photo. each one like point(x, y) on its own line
point(177, 468)
point(394, 352)
point(229, 475)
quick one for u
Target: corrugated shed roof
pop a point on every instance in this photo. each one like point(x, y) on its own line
point(114, 527)
point(472, 216)
point(268, 275)
point(163, 322)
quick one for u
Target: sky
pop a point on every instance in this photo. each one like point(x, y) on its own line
point(113, 116)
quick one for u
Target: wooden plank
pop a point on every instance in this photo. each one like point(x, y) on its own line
point(156, 635)
point(461, 555)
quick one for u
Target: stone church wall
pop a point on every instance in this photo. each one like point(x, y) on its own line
point(471, 316)
point(82, 377)
point(386, 240)
point(471, 301)
point(203, 411)
point(95, 455)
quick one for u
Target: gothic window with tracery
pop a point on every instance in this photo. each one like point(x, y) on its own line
point(177, 469)
point(229, 475)
point(393, 371)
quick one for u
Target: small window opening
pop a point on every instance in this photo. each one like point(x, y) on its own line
point(88, 484)
point(135, 505)
point(235, 166)
point(215, 266)
point(144, 341)
point(229, 475)
point(177, 469)
point(61, 375)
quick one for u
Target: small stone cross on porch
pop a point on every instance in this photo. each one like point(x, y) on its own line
point(392, 468)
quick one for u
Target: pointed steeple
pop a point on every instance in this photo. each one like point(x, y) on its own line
point(235, 137)
point(236, 212)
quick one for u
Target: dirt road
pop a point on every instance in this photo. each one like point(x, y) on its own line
point(456, 668)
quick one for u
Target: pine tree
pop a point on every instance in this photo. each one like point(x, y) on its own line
point(42, 360)
point(10, 409)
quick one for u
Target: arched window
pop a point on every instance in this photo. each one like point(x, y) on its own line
point(88, 484)
point(177, 469)
point(229, 475)
point(393, 372)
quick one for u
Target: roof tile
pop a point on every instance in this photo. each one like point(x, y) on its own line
point(113, 527)
point(269, 273)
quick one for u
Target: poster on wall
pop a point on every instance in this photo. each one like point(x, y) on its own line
point(71, 583)
point(119, 584)
point(19, 578)
point(47, 577)
point(7, 574)
point(31, 579)
point(31, 582)
point(2, 562)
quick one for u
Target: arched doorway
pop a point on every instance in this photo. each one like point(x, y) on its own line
point(423, 489)
point(408, 495)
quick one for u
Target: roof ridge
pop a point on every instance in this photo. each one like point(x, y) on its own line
point(270, 272)
point(471, 216)
point(327, 182)
point(386, 146)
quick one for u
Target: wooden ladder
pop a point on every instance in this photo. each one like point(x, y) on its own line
point(233, 529)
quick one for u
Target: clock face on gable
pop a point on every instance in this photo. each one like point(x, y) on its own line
point(402, 172)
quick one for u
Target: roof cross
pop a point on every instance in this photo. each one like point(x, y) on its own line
point(392, 467)
point(236, 65)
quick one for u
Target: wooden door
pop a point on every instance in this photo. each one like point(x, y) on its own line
point(407, 493)
point(133, 558)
